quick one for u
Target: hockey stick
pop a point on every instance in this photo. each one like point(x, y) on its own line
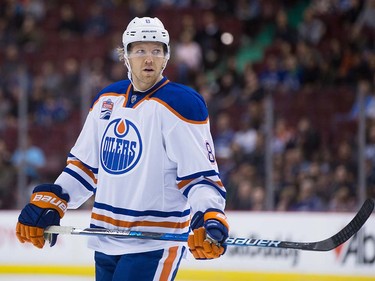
point(324, 245)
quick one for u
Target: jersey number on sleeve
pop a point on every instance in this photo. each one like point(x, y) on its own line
point(211, 156)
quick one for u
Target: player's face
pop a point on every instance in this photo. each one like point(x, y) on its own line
point(146, 60)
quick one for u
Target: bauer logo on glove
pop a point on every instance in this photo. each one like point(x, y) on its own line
point(44, 199)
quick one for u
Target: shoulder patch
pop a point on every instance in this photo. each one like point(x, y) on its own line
point(184, 101)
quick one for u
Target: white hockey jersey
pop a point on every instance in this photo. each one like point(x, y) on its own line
point(148, 158)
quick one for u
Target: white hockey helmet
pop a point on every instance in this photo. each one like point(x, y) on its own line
point(145, 29)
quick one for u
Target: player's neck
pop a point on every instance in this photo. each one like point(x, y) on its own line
point(144, 87)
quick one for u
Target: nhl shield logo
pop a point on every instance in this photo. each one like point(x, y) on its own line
point(121, 147)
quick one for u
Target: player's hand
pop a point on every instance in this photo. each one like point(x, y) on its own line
point(47, 206)
point(210, 230)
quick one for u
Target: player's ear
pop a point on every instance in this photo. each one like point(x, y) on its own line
point(164, 64)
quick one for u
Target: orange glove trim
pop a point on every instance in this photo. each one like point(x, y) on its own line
point(216, 216)
point(49, 200)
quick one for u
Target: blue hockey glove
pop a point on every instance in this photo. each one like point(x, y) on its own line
point(47, 206)
point(210, 230)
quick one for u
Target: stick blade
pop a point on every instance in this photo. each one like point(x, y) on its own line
point(349, 230)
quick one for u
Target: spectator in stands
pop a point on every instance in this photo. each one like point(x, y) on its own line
point(245, 139)
point(243, 196)
point(291, 80)
point(11, 66)
point(116, 72)
point(6, 106)
point(14, 13)
point(350, 12)
point(370, 143)
point(6, 37)
point(8, 177)
point(307, 199)
point(309, 63)
point(331, 61)
point(30, 36)
point(283, 135)
point(50, 77)
point(31, 160)
point(227, 91)
point(188, 23)
point(50, 109)
point(256, 157)
point(69, 25)
point(188, 56)
point(249, 12)
point(239, 186)
point(342, 200)
point(97, 23)
point(140, 8)
point(364, 88)
point(209, 38)
point(341, 177)
point(366, 19)
point(345, 156)
point(283, 30)
point(223, 136)
point(321, 7)
point(258, 198)
point(293, 164)
point(252, 90)
point(311, 29)
point(70, 81)
point(286, 198)
point(271, 76)
point(307, 138)
point(35, 9)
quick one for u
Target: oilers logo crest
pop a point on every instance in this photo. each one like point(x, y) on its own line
point(106, 109)
point(121, 147)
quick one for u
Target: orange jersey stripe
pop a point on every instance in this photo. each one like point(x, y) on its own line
point(178, 114)
point(83, 168)
point(127, 95)
point(183, 183)
point(167, 268)
point(129, 224)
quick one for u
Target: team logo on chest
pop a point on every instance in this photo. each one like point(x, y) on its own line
point(121, 147)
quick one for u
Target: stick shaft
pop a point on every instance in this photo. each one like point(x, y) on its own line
point(324, 245)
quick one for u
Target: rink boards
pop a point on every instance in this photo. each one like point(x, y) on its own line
point(355, 260)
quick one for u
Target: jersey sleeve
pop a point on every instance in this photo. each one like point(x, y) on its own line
point(79, 177)
point(190, 145)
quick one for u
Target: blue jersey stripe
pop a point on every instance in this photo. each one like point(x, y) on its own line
point(135, 213)
point(205, 182)
point(94, 170)
point(80, 179)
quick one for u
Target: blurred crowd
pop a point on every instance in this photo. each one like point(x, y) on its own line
point(312, 58)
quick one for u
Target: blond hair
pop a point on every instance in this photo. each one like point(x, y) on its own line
point(120, 53)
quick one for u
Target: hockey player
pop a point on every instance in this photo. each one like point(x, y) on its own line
point(146, 153)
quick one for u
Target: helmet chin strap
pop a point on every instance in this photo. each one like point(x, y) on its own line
point(127, 63)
